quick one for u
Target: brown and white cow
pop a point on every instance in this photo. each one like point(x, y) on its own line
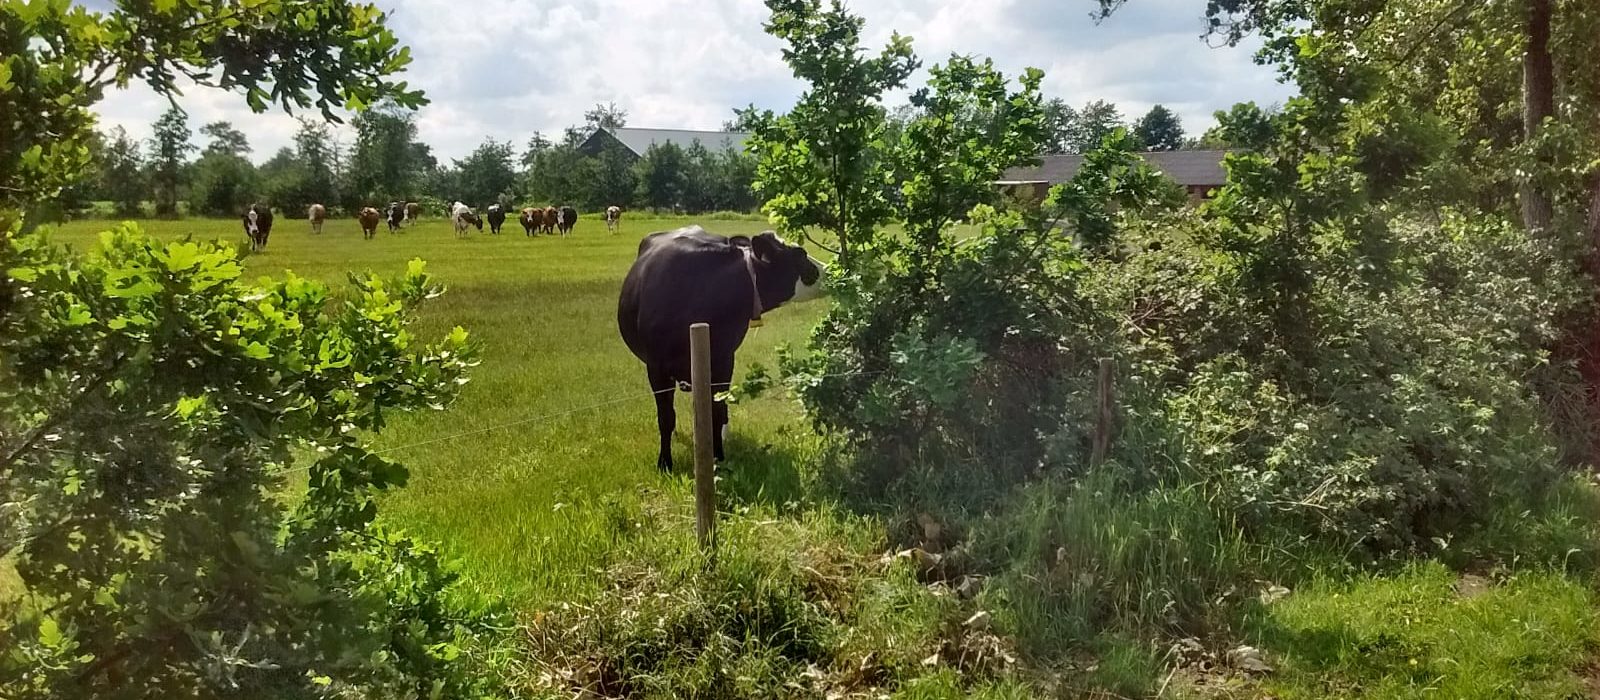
point(552, 217)
point(369, 218)
point(257, 226)
point(613, 218)
point(317, 214)
point(413, 212)
point(532, 219)
point(462, 217)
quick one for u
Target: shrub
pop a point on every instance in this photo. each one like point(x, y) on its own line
point(1397, 407)
point(153, 407)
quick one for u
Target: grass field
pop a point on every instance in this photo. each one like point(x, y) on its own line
point(528, 509)
point(540, 481)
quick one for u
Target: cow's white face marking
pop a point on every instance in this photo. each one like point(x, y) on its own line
point(803, 291)
point(251, 218)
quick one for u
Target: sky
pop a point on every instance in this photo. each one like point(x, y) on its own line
point(504, 69)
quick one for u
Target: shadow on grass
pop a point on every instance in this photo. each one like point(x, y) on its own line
point(760, 473)
point(755, 473)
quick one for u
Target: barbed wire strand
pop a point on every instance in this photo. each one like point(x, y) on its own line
point(631, 396)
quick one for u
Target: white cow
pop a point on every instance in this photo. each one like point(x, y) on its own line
point(462, 216)
point(613, 218)
point(317, 214)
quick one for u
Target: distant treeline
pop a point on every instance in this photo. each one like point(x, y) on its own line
point(386, 162)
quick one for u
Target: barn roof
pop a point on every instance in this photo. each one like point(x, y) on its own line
point(1187, 168)
point(640, 140)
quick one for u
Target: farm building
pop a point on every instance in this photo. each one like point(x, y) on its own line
point(1198, 172)
point(637, 141)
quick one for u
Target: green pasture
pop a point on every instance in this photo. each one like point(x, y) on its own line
point(550, 449)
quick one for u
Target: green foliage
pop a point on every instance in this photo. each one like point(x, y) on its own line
point(484, 177)
point(59, 57)
point(1159, 130)
point(1369, 388)
point(1091, 125)
point(225, 139)
point(121, 176)
point(605, 116)
point(611, 179)
point(295, 179)
point(937, 352)
point(387, 162)
point(1112, 178)
point(694, 180)
point(223, 185)
point(153, 409)
point(1058, 119)
point(663, 177)
point(554, 173)
point(822, 165)
point(169, 153)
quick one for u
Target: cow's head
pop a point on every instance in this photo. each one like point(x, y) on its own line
point(789, 266)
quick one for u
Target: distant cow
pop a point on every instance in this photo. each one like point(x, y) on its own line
point(613, 218)
point(317, 214)
point(413, 212)
point(497, 218)
point(566, 218)
point(551, 216)
point(397, 216)
point(461, 216)
point(689, 276)
point(532, 219)
point(369, 219)
point(257, 225)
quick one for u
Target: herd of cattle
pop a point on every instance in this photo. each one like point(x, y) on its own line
point(678, 278)
point(548, 220)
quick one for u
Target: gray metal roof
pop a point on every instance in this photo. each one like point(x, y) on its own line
point(1187, 168)
point(640, 140)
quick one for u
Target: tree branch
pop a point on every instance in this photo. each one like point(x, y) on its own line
point(95, 385)
point(1427, 37)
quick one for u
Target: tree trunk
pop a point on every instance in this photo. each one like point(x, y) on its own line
point(1538, 103)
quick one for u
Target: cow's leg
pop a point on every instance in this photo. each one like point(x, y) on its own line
point(666, 415)
point(721, 380)
point(719, 425)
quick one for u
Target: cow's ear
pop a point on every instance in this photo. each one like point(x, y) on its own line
point(766, 246)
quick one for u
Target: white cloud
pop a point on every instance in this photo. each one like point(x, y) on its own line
point(503, 69)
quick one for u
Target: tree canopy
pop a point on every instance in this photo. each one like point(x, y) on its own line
point(1159, 130)
point(62, 56)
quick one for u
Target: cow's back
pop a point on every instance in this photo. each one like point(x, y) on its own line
point(680, 278)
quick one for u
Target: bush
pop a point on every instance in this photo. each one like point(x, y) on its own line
point(1405, 414)
point(155, 406)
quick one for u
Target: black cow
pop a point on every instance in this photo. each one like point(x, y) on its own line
point(497, 218)
point(397, 215)
point(566, 218)
point(689, 276)
point(257, 225)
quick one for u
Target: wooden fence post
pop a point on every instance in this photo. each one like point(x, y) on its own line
point(705, 489)
point(1105, 402)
